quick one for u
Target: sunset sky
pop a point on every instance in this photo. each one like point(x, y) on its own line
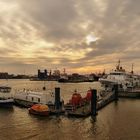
point(80, 35)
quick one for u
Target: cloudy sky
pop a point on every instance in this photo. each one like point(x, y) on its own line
point(80, 35)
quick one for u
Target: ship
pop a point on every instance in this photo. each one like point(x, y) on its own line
point(126, 81)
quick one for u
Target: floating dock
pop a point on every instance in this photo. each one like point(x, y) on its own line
point(92, 107)
point(82, 111)
point(132, 93)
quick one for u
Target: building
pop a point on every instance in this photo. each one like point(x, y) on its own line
point(4, 75)
point(42, 74)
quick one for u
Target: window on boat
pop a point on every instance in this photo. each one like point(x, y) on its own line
point(121, 86)
point(116, 74)
point(32, 98)
point(5, 89)
point(39, 100)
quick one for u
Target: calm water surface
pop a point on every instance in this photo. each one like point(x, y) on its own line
point(117, 121)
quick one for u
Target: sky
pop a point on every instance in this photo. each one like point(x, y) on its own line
point(81, 36)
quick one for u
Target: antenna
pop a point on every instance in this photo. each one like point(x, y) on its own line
point(132, 68)
point(64, 71)
point(118, 66)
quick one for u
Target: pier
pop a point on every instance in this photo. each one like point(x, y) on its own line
point(130, 94)
point(95, 105)
point(88, 107)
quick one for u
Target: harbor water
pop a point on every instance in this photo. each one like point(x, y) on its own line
point(117, 121)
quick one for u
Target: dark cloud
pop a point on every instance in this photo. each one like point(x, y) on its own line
point(66, 23)
point(55, 18)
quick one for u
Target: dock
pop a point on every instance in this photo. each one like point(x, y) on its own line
point(92, 107)
point(105, 101)
point(130, 94)
point(88, 107)
point(83, 111)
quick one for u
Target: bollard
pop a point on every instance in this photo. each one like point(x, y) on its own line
point(116, 91)
point(57, 98)
point(94, 102)
point(44, 88)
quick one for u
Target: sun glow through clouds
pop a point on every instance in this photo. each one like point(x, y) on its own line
point(91, 38)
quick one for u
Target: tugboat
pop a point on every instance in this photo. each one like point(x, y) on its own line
point(6, 99)
point(39, 109)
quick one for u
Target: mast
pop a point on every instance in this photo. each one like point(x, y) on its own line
point(64, 71)
point(118, 66)
point(132, 71)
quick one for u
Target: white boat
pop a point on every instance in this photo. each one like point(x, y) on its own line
point(125, 80)
point(27, 98)
point(6, 99)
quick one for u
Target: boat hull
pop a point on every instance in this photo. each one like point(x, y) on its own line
point(23, 103)
point(28, 104)
point(7, 103)
point(40, 113)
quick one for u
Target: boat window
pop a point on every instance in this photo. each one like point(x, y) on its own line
point(116, 74)
point(38, 99)
point(5, 90)
point(121, 86)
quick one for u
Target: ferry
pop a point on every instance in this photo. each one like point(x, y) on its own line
point(27, 98)
point(6, 99)
point(125, 80)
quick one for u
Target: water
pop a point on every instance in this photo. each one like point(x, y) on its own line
point(117, 121)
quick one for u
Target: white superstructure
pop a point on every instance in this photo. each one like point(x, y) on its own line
point(6, 99)
point(47, 97)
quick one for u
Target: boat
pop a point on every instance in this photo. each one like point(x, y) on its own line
point(39, 109)
point(27, 98)
point(125, 80)
point(6, 99)
point(63, 77)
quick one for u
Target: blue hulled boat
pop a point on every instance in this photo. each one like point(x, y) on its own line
point(6, 99)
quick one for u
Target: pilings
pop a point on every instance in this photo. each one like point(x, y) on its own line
point(57, 98)
point(94, 102)
point(116, 92)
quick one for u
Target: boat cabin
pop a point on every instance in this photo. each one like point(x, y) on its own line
point(5, 89)
point(35, 97)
